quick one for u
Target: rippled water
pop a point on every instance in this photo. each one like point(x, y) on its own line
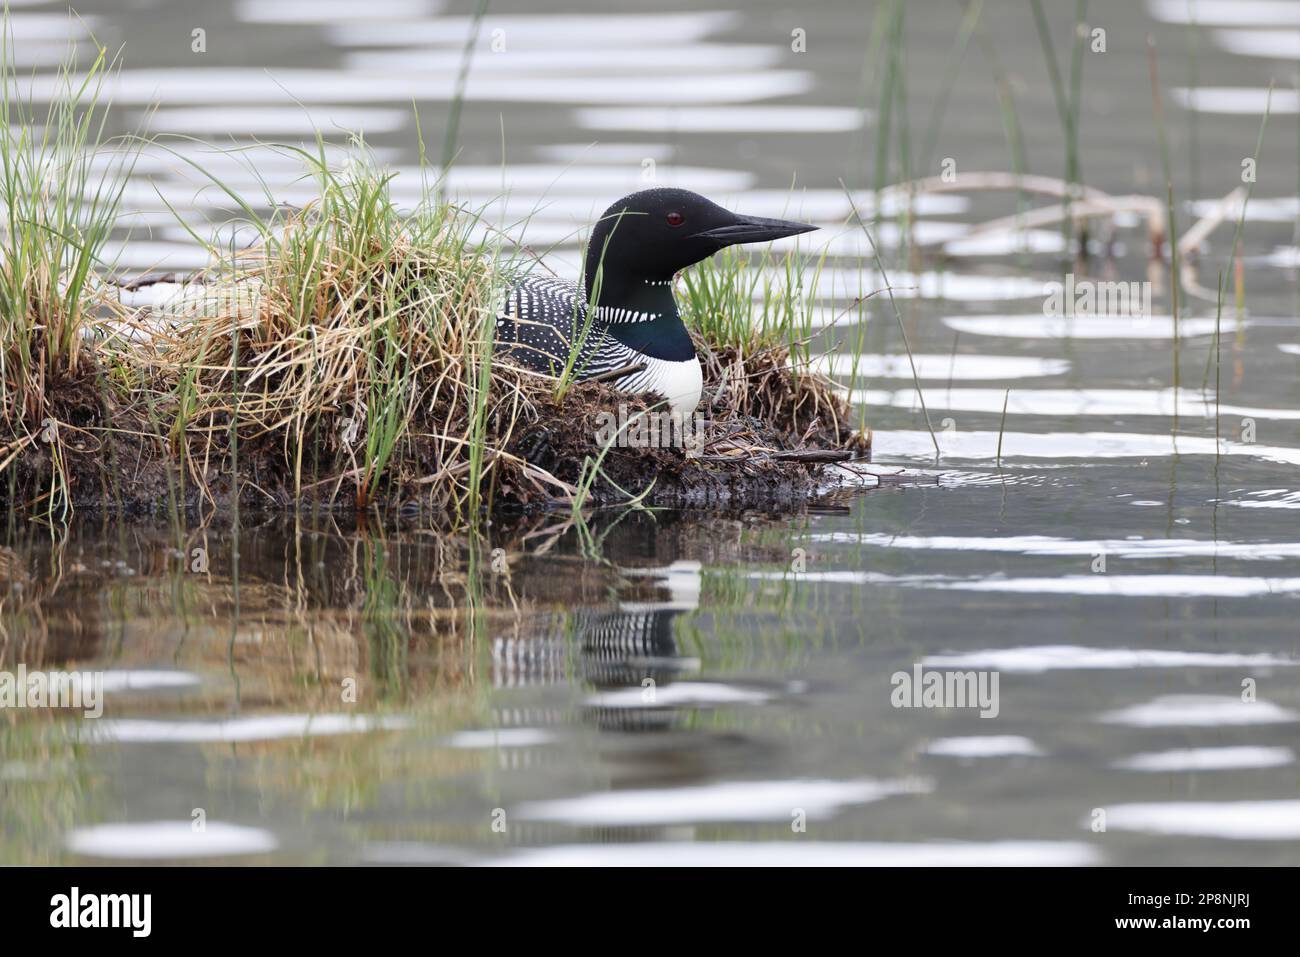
point(682, 689)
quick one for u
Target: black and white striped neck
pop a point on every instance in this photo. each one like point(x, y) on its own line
point(634, 300)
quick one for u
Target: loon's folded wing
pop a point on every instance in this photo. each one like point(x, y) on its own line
point(541, 319)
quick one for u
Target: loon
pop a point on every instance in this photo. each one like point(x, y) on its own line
point(635, 337)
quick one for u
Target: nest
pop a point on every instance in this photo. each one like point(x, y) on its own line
point(345, 361)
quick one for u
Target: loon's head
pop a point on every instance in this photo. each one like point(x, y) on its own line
point(651, 235)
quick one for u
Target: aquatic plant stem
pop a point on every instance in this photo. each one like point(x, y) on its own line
point(902, 328)
point(966, 29)
point(458, 99)
point(1172, 236)
point(1235, 252)
point(1002, 427)
point(1066, 110)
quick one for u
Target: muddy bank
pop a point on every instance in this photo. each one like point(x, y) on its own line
point(99, 447)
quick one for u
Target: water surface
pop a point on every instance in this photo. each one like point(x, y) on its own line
point(1122, 551)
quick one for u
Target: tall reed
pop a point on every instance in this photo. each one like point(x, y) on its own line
point(60, 192)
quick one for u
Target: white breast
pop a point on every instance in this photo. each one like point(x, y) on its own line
point(679, 382)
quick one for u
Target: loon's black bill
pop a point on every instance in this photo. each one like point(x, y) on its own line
point(755, 229)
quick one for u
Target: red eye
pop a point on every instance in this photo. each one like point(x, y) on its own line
point(675, 219)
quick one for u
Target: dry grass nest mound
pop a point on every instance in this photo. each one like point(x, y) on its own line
point(345, 360)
